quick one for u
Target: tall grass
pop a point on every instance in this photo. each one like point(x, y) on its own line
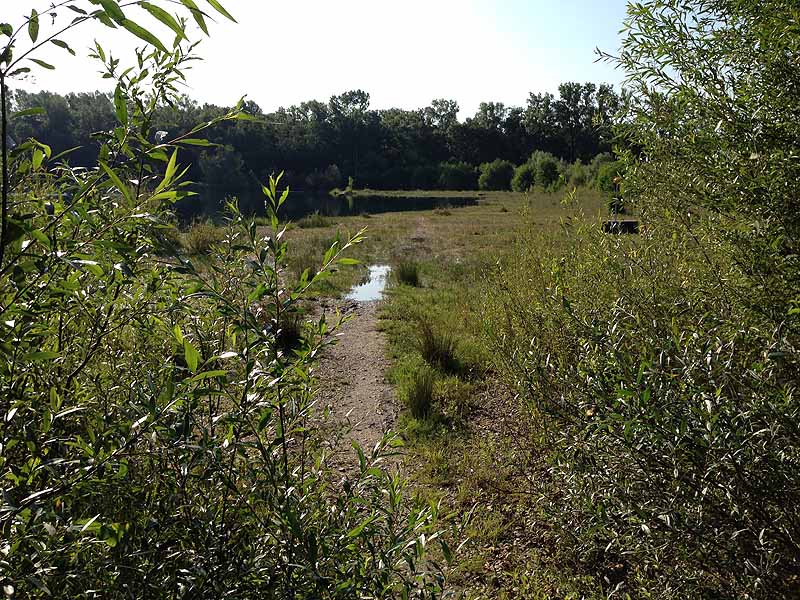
point(406, 272)
point(418, 393)
point(438, 348)
point(313, 221)
point(201, 237)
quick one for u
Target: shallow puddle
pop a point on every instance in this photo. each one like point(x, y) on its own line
point(372, 288)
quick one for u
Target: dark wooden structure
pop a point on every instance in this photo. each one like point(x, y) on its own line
point(619, 226)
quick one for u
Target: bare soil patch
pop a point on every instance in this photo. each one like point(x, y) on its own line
point(353, 384)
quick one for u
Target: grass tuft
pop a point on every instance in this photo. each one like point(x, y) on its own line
point(201, 237)
point(313, 221)
point(418, 393)
point(407, 273)
point(290, 332)
point(443, 211)
point(438, 349)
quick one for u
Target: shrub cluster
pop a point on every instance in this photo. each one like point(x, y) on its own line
point(496, 175)
point(201, 237)
point(661, 373)
point(547, 172)
point(156, 415)
point(524, 177)
point(455, 175)
point(313, 221)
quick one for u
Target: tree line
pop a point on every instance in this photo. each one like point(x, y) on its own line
point(322, 146)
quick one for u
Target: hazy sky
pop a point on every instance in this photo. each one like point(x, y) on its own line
point(403, 53)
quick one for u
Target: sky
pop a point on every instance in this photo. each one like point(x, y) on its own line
point(404, 54)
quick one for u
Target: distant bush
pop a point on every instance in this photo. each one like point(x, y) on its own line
point(547, 169)
point(201, 237)
point(407, 273)
point(324, 181)
point(606, 176)
point(524, 177)
point(396, 177)
point(577, 174)
point(496, 176)
point(424, 177)
point(312, 221)
point(457, 176)
point(597, 161)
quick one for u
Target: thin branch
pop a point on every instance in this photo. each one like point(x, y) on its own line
point(4, 133)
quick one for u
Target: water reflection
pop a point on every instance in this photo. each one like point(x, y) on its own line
point(373, 288)
point(209, 203)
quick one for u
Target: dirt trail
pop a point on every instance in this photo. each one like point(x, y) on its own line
point(353, 382)
point(352, 373)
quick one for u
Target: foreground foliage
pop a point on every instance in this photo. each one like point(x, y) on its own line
point(156, 431)
point(661, 373)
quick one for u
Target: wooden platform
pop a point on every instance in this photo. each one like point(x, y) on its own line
point(628, 226)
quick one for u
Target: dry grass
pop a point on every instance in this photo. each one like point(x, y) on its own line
point(483, 229)
point(201, 237)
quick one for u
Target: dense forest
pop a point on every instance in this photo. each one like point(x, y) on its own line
point(320, 146)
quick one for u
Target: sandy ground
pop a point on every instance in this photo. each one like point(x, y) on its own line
point(352, 373)
point(352, 376)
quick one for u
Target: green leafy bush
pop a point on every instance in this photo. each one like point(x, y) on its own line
point(547, 169)
point(156, 436)
point(524, 177)
point(457, 175)
point(609, 180)
point(496, 175)
point(660, 373)
point(597, 161)
point(608, 177)
point(577, 174)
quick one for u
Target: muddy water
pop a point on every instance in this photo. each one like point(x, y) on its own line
point(372, 288)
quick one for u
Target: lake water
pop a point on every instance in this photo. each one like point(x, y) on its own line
point(372, 289)
point(299, 204)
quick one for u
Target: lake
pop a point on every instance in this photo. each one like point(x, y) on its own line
point(302, 204)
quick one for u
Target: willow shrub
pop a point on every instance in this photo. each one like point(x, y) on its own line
point(156, 437)
point(661, 371)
